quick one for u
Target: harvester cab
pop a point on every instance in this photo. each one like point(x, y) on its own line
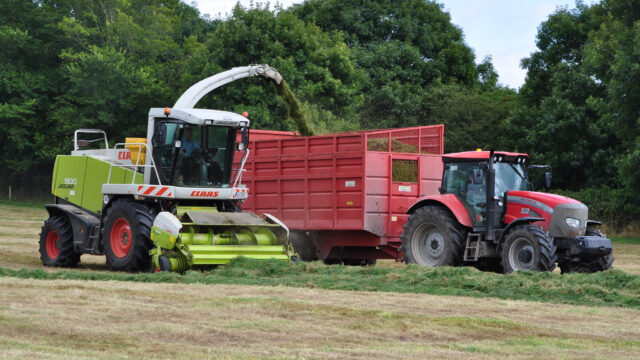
point(488, 215)
point(171, 199)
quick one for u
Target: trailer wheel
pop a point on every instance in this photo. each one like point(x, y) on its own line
point(126, 236)
point(595, 265)
point(432, 237)
point(304, 245)
point(56, 243)
point(528, 247)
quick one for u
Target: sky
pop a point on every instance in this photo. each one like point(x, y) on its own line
point(503, 29)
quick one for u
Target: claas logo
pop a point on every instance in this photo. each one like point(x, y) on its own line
point(204, 193)
point(124, 155)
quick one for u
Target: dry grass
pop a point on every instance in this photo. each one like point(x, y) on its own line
point(73, 319)
point(96, 319)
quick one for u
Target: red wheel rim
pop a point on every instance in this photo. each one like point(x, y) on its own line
point(121, 238)
point(52, 244)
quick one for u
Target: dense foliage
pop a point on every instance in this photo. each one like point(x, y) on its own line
point(353, 64)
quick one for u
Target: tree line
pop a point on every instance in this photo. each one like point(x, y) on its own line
point(354, 64)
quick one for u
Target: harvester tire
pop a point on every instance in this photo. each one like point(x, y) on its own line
point(595, 265)
point(432, 237)
point(56, 243)
point(126, 236)
point(528, 247)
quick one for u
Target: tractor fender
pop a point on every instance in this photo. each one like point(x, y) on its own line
point(516, 222)
point(81, 221)
point(448, 201)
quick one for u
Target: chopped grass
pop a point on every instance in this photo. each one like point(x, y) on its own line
point(610, 288)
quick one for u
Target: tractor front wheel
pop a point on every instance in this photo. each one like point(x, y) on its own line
point(56, 243)
point(432, 237)
point(528, 247)
point(126, 236)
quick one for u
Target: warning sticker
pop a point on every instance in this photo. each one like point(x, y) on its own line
point(404, 188)
point(350, 183)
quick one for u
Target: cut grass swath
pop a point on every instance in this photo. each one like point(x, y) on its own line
point(610, 288)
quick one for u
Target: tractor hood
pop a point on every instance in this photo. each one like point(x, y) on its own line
point(564, 216)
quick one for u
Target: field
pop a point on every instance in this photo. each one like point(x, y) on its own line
point(308, 310)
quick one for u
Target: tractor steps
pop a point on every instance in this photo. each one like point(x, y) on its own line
point(472, 248)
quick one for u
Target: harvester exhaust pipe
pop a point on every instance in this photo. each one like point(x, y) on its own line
point(491, 205)
point(197, 91)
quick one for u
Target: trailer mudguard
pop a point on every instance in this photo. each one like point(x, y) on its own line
point(449, 201)
point(82, 222)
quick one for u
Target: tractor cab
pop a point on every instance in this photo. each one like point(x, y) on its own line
point(466, 176)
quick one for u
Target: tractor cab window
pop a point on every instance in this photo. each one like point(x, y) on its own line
point(458, 179)
point(509, 176)
point(193, 155)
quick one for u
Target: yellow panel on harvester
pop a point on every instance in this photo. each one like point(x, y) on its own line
point(138, 152)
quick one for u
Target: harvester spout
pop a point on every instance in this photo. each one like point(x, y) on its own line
point(197, 91)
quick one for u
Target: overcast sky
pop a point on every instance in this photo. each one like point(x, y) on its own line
point(502, 29)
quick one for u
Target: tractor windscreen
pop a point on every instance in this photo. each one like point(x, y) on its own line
point(509, 176)
point(192, 155)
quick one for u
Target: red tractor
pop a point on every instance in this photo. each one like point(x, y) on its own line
point(487, 215)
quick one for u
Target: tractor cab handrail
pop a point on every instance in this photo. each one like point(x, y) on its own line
point(136, 164)
point(76, 147)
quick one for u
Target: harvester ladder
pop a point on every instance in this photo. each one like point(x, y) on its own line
point(471, 249)
point(94, 240)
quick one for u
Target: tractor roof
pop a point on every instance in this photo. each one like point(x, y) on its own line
point(479, 155)
point(203, 117)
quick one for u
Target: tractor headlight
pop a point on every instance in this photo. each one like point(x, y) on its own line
point(572, 222)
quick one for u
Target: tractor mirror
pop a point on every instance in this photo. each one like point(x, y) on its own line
point(478, 176)
point(245, 139)
point(547, 179)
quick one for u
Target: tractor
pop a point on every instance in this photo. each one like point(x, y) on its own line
point(488, 215)
point(170, 201)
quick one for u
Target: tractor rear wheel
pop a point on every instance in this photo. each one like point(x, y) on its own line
point(126, 236)
point(56, 243)
point(528, 247)
point(432, 237)
point(598, 264)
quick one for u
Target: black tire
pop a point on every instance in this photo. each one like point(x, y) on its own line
point(360, 262)
point(332, 261)
point(594, 265)
point(303, 244)
point(528, 247)
point(128, 249)
point(443, 233)
point(56, 243)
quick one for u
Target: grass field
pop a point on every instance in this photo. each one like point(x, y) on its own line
point(49, 313)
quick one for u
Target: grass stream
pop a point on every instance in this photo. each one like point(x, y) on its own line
point(610, 288)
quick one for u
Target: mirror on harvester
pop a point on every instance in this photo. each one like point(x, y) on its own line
point(547, 179)
point(244, 143)
point(478, 176)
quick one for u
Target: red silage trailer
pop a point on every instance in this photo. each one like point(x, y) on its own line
point(344, 196)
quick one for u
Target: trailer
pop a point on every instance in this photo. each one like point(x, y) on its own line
point(344, 196)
